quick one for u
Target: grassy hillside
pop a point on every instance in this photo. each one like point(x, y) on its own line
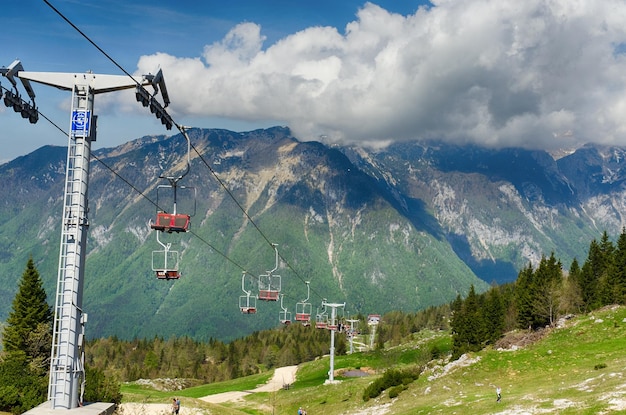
point(579, 368)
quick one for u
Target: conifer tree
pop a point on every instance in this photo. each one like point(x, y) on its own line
point(474, 305)
point(524, 297)
point(546, 291)
point(607, 281)
point(27, 343)
point(571, 300)
point(494, 315)
point(590, 275)
point(30, 317)
point(620, 269)
point(468, 326)
point(457, 324)
point(457, 304)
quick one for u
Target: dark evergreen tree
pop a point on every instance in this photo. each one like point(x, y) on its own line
point(619, 287)
point(474, 305)
point(456, 325)
point(574, 269)
point(494, 315)
point(99, 388)
point(30, 310)
point(507, 294)
point(21, 388)
point(590, 275)
point(571, 300)
point(27, 343)
point(607, 248)
point(607, 281)
point(456, 305)
point(468, 326)
point(546, 291)
point(524, 297)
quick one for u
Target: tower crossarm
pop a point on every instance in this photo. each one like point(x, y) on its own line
point(12, 71)
point(99, 83)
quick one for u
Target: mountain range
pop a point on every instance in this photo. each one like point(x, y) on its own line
point(401, 228)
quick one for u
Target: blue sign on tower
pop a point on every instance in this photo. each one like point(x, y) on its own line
point(80, 122)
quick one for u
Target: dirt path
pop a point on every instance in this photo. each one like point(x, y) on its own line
point(282, 376)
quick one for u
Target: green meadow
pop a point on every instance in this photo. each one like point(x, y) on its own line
point(576, 368)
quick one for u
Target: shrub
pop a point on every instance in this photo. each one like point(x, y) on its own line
point(20, 388)
point(391, 378)
point(395, 391)
point(100, 388)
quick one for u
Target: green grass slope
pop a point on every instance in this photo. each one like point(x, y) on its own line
point(578, 368)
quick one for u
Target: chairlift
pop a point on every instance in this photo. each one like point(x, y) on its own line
point(339, 322)
point(174, 221)
point(165, 262)
point(284, 316)
point(171, 222)
point(321, 318)
point(332, 324)
point(352, 330)
point(247, 302)
point(303, 308)
point(269, 284)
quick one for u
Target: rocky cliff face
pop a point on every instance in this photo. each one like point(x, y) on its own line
point(402, 228)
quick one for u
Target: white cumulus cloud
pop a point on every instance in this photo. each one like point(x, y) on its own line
point(532, 73)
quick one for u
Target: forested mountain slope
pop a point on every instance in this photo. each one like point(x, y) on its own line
point(402, 228)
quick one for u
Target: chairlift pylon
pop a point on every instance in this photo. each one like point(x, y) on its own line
point(335, 322)
point(338, 322)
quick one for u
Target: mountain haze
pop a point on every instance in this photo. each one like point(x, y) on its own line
point(402, 228)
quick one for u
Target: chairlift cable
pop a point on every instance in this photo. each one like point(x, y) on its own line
point(182, 130)
point(87, 38)
point(232, 196)
point(142, 194)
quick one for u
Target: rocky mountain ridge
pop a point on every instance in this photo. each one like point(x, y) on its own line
point(401, 228)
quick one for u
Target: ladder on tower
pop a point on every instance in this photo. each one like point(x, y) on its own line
point(67, 355)
point(67, 358)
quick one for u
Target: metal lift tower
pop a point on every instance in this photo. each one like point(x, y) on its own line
point(333, 327)
point(352, 332)
point(67, 372)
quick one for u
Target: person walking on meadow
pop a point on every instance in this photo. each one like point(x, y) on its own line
point(498, 394)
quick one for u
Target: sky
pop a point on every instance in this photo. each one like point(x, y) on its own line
point(540, 74)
